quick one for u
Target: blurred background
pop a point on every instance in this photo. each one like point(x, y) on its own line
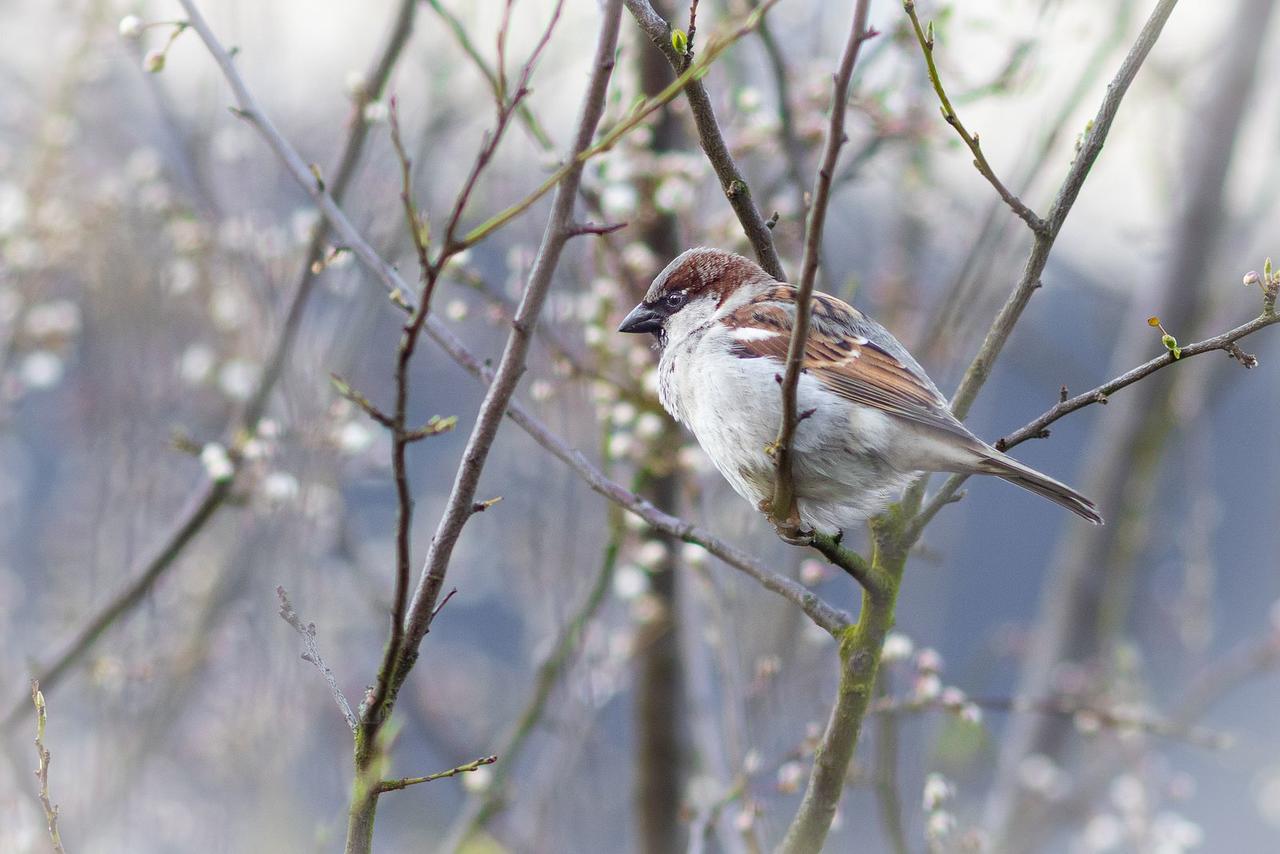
point(1077, 689)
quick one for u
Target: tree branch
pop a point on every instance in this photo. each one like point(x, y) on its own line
point(512, 364)
point(1033, 221)
point(1038, 428)
point(783, 505)
point(980, 368)
point(42, 771)
point(731, 179)
point(406, 782)
point(312, 654)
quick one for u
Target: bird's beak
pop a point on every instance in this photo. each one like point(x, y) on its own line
point(641, 319)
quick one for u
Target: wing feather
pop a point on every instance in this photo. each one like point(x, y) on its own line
point(841, 355)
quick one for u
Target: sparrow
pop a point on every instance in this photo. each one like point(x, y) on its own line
point(871, 419)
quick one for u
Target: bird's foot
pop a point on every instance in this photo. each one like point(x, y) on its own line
point(791, 530)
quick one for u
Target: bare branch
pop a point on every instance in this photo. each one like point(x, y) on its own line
point(1033, 221)
point(1038, 428)
point(559, 226)
point(783, 505)
point(42, 771)
point(731, 179)
point(406, 782)
point(312, 654)
point(979, 369)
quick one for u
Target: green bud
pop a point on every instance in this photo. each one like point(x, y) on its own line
point(1171, 344)
point(680, 42)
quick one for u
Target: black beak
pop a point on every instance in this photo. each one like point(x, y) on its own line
point(642, 319)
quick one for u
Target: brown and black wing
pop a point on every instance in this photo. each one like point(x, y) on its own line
point(851, 355)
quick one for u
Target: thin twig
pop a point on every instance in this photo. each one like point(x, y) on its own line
point(551, 671)
point(1038, 428)
point(512, 364)
point(312, 655)
point(1033, 221)
point(732, 182)
point(979, 369)
point(783, 503)
point(42, 771)
point(406, 782)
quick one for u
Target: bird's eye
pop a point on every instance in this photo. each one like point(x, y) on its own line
point(675, 300)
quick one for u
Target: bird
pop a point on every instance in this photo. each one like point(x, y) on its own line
point(871, 420)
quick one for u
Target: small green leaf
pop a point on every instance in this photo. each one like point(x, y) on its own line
point(680, 42)
point(1171, 344)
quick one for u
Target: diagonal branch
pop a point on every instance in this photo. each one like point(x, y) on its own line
point(731, 179)
point(1038, 428)
point(1033, 221)
point(312, 654)
point(783, 504)
point(406, 782)
point(560, 226)
point(979, 369)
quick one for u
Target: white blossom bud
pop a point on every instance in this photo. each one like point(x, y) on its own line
point(897, 647)
point(131, 27)
point(937, 791)
point(216, 462)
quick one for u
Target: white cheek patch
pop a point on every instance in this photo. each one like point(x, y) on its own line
point(748, 333)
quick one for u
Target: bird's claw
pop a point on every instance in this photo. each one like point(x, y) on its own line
point(791, 531)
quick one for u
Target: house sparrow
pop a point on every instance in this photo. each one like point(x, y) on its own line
point(871, 418)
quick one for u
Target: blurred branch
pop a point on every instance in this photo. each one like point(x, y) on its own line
point(783, 510)
point(312, 655)
point(1038, 428)
point(1033, 221)
point(202, 505)
point(406, 782)
point(731, 179)
point(481, 809)
point(42, 771)
point(792, 149)
point(887, 785)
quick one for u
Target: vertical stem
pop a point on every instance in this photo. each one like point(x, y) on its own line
point(860, 647)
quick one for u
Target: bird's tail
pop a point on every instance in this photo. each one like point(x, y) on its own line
point(1009, 469)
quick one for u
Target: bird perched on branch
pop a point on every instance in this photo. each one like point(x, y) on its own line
point(870, 418)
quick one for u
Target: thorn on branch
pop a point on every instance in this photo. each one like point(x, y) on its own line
point(1062, 394)
point(445, 601)
point(772, 221)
